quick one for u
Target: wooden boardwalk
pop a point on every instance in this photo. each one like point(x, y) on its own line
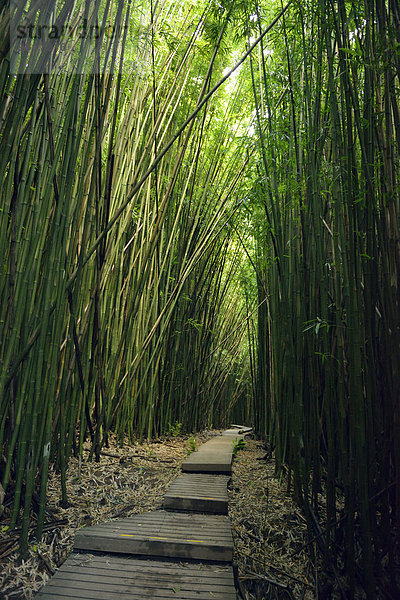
point(111, 577)
point(182, 551)
point(192, 492)
point(215, 456)
point(162, 533)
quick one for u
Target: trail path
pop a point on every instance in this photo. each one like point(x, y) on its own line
point(182, 551)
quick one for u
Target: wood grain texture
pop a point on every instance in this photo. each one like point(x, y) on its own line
point(162, 533)
point(198, 492)
point(110, 577)
point(215, 456)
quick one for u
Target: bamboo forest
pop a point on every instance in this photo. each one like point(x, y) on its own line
point(200, 226)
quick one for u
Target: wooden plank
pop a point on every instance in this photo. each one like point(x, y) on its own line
point(221, 440)
point(215, 456)
point(208, 464)
point(224, 443)
point(123, 587)
point(242, 428)
point(162, 533)
point(93, 577)
point(198, 492)
point(61, 593)
point(225, 447)
point(118, 562)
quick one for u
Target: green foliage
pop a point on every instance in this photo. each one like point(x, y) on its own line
point(192, 445)
point(315, 325)
point(175, 429)
point(238, 445)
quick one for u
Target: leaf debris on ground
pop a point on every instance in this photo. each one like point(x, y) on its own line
point(266, 524)
point(269, 531)
point(126, 481)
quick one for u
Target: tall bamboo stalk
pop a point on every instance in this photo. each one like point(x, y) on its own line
point(115, 239)
point(330, 328)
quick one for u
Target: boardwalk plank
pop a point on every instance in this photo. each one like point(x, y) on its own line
point(198, 492)
point(210, 461)
point(215, 456)
point(162, 533)
point(89, 577)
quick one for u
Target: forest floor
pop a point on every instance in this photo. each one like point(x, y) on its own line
point(269, 530)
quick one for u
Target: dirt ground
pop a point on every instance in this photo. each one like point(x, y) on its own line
point(270, 534)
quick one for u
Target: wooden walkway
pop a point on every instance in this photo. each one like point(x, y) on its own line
point(191, 492)
point(182, 551)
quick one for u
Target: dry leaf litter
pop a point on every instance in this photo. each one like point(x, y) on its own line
point(126, 481)
point(270, 532)
point(268, 528)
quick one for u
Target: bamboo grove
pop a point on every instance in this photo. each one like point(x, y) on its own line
point(327, 191)
point(185, 241)
point(118, 288)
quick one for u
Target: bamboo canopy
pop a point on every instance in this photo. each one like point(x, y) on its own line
point(200, 222)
